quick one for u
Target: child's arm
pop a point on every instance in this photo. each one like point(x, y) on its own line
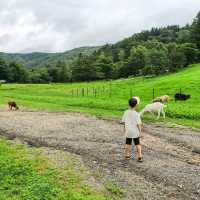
point(123, 122)
point(140, 130)
point(139, 125)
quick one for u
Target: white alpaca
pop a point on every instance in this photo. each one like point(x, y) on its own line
point(156, 107)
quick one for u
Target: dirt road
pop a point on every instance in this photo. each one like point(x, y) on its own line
point(171, 167)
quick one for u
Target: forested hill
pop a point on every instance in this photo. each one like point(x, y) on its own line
point(39, 59)
point(148, 53)
point(151, 52)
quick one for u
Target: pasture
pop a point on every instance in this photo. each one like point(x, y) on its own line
point(108, 99)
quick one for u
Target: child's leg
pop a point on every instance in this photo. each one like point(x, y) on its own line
point(139, 151)
point(127, 150)
point(138, 147)
point(128, 146)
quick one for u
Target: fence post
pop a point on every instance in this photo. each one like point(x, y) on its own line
point(103, 90)
point(131, 92)
point(72, 92)
point(95, 92)
point(77, 92)
point(153, 93)
point(110, 92)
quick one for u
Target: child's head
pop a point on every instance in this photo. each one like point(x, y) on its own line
point(138, 99)
point(132, 102)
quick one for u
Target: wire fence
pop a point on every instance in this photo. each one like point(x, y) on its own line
point(112, 91)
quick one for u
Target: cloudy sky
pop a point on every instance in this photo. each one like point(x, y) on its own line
point(59, 25)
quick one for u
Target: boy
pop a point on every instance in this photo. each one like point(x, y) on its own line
point(133, 129)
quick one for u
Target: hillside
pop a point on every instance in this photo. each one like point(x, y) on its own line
point(154, 52)
point(39, 59)
point(109, 98)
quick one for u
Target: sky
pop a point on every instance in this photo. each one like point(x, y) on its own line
point(59, 25)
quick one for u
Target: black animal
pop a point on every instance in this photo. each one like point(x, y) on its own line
point(181, 97)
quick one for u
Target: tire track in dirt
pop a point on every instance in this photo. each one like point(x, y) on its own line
point(170, 170)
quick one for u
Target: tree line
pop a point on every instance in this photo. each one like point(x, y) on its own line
point(153, 52)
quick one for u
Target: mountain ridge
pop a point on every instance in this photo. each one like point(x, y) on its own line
point(41, 59)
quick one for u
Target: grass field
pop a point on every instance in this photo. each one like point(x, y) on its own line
point(108, 99)
point(26, 174)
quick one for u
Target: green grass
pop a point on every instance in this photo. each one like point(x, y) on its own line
point(111, 99)
point(26, 175)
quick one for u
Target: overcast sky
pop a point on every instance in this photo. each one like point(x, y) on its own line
point(60, 25)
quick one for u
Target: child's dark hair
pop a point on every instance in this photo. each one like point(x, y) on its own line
point(132, 102)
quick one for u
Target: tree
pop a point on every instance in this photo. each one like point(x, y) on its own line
point(184, 36)
point(105, 65)
point(136, 60)
point(157, 60)
point(18, 73)
point(35, 76)
point(195, 31)
point(63, 73)
point(4, 72)
point(84, 69)
point(121, 55)
point(44, 75)
point(177, 57)
point(191, 52)
point(53, 73)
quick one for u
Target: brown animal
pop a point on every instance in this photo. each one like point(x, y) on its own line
point(12, 104)
point(162, 99)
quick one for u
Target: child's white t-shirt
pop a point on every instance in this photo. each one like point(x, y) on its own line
point(131, 119)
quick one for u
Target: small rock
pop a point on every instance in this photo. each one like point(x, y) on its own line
point(180, 186)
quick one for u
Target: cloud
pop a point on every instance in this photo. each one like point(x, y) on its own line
point(52, 26)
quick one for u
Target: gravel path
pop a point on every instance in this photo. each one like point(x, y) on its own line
point(171, 167)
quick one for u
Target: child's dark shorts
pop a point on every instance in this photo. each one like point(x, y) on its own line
point(130, 140)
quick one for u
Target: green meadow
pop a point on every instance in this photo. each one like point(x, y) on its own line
point(25, 174)
point(108, 99)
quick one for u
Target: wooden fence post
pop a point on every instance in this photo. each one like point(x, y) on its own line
point(153, 93)
point(131, 92)
point(72, 92)
point(110, 92)
point(95, 92)
point(103, 89)
point(82, 92)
